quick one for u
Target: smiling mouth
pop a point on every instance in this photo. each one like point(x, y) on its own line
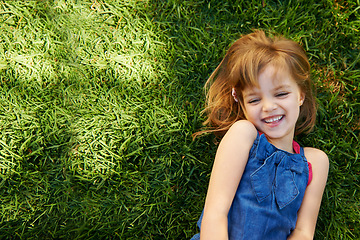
point(273, 119)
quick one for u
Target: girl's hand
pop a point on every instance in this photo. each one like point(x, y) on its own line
point(230, 161)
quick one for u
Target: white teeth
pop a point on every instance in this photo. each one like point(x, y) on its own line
point(270, 120)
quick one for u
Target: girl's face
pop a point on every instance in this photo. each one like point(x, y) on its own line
point(274, 106)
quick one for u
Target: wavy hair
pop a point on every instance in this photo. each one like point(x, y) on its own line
point(242, 64)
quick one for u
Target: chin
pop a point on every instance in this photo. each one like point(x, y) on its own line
point(278, 135)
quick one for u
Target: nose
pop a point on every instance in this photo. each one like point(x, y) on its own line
point(269, 105)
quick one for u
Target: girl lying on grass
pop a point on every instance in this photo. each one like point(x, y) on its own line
point(263, 184)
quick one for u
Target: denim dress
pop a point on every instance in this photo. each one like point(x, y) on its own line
point(269, 194)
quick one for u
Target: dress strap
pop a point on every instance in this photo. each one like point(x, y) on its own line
point(297, 148)
point(300, 150)
point(310, 173)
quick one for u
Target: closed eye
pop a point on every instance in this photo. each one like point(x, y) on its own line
point(282, 94)
point(254, 100)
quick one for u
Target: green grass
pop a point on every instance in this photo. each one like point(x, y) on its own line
point(99, 100)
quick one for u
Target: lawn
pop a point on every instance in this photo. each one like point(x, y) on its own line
point(99, 100)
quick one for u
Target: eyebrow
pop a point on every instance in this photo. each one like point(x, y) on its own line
point(284, 86)
point(252, 93)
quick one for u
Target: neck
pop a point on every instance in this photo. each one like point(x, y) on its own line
point(285, 143)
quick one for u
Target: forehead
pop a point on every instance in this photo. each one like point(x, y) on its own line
point(276, 74)
point(273, 77)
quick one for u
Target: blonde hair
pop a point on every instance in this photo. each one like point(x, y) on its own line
point(240, 68)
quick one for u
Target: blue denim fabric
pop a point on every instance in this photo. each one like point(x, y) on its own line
point(269, 194)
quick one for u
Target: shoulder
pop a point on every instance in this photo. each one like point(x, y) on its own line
point(319, 162)
point(316, 157)
point(243, 127)
point(239, 137)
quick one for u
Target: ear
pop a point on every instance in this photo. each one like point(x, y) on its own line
point(302, 98)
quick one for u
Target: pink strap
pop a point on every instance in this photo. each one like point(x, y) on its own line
point(296, 147)
point(310, 173)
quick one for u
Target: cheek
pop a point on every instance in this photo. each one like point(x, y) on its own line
point(250, 113)
point(245, 111)
point(295, 109)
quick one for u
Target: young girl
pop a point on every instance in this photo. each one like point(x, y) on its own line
point(263, 184)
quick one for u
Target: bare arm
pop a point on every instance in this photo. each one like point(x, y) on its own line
point(309, 210)
point(230, 161)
